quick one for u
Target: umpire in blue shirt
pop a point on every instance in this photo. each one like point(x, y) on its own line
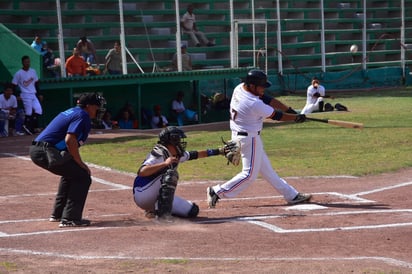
point(56, 149)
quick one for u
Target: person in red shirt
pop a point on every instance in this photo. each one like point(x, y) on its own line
point(75, 65)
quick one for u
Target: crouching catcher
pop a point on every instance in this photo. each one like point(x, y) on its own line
point(157, 178)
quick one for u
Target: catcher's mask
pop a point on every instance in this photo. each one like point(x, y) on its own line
point(257, 78)
point(173, 136)
point(93, 99)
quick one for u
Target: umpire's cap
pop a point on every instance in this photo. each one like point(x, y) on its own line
point(91, 99)
point(257, 78)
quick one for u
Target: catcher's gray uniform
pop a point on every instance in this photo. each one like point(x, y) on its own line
point(146, 189)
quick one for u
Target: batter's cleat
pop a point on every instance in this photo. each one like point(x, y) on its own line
point(300, 198)
point(212, 197)
point(54, 219)
point(74, 223)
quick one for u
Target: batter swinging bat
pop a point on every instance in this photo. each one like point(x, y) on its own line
point(337, 123)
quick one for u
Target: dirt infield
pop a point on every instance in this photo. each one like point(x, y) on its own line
point(352, 225)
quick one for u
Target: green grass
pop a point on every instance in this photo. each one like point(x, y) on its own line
point(308, 149)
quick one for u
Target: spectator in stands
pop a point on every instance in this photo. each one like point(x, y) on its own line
point(114, 60)
point(42, 48)
point(10, 117)
point(188, 22)
point(181, 111)
point(47, 54)
point(158, 119)
point(28, 82)
point(87, 50)
point(186, 59)
point(75, 65)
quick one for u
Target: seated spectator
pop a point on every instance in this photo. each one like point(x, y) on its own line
point(158, 119)
point(125, 122)
point(186, 60)
point(188, 22)
point(107, 121)
point(11, 119)
point(75, 65)
point(126, 118)
point(87, 50)
point(114, 60)
point(180, 110)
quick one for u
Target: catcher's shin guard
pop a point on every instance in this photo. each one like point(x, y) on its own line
point(167, 193)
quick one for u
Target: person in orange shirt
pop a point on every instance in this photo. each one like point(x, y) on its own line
point(75, 65)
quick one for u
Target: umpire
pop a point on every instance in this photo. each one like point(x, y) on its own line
point(56, 149)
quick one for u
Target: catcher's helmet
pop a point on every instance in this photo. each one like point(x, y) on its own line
point(173, 136)
point(257, 78)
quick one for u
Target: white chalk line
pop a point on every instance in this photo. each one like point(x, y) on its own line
point(386, 260)
point(383, 188)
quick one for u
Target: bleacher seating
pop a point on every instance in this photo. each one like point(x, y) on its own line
point(150, 28)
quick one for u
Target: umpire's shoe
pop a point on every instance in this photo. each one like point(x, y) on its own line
point(73, 223)
point(300, 198)
point(212, 197)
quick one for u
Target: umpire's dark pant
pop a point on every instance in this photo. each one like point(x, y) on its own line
point(73, 188)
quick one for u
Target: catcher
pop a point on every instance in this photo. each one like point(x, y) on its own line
point(156, 181)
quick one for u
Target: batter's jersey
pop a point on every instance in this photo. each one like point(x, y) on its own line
point(25, 80)
point(247, 111)
point(74, 120)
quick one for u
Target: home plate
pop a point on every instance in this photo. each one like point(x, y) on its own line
point(305, 207)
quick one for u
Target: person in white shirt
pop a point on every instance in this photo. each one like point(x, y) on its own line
point(314, 97)
point(188, 23)
point(28, 82)
point(158, 119)
point(249, 106)
point(10, 117)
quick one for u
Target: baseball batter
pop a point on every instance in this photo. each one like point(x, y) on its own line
point(156, 181)
point(248, 108)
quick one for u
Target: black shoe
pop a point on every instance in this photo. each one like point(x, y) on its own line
point(74, 223)
point(210, 44)
point(198, 45)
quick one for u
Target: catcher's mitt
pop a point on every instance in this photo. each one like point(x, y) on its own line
point(231, 150)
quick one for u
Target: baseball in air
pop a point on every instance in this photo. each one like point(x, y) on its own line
point(353, 48)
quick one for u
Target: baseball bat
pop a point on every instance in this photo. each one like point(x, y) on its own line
point(337, 123)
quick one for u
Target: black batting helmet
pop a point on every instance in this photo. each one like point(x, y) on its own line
point(173, 136)
point(257, 78)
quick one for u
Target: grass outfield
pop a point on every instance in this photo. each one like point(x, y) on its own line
point(307, 149)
